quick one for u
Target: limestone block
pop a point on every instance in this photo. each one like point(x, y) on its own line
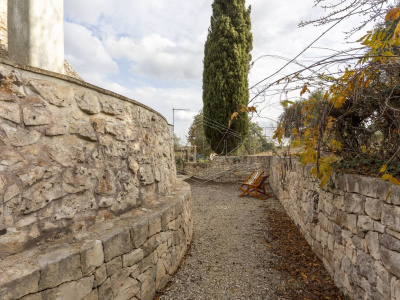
point(395, 289)
point(150, 245)
point(76, 182)
point(57, 129)
point(378, 227)
point(40, 195)
point(162, 249)
point(31, 175)
point(381, 271)
point(92, 256)
point(67, 150)
point(354, 203)
point(116, 243)
point(373, 208)
point(394, 196)
point(11, 192)
point(167, 216)
point(146, 175)
point(88, 102)
point(3, 184)
point(132, 258)
point(390, 242)
point(100, 275)
point(83, 130)
point(365, 223)
point(112, 147)
point(383, 288)
point(105, 290)
point(11, 87)
point(118, 130)
point(76, 290)
point(391, 217)
point(148, 262)
point(391, 260)
point(365, 263)
point(94, 295)
point(106, 202)
point(12, 242)
point(61, 96)
point(382, 190)
point(59, 266)
point(36, 116)
point(154, 223)
point(124, 287)
point(139, 232)
point(372, 239)
point(26, 221)
point(106, 183)
point(19, 137)
point(10, 160)
point(160, 275)
point(111, 105)
point(124, 201)
point(19, 280)
point(148, 282)
point(10, 111)
point(114, 266)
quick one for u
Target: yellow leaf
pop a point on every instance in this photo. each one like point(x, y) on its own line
point(364, 149)
point(389, 192)
point(386, 177)
point(383, 169)
point(304, 90)
point(252, 109)
point(234, 115)
point(394, 181)
point(304, 275)
point(392, 14)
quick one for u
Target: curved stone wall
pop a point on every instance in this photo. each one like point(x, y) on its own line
point(129, 257)
point(73, 155)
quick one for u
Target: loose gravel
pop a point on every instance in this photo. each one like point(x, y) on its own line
point(230, 256)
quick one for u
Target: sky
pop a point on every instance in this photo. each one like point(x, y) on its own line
point(152, 51)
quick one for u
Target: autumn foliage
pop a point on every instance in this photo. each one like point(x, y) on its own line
point(352, 123)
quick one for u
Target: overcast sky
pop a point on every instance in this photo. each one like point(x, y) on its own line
point(152, 51)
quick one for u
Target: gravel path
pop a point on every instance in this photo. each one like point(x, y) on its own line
point(228, 259)
point(231, 257)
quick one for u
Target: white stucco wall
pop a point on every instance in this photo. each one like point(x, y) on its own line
point(36, 33)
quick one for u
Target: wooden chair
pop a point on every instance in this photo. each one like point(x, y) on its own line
point(256, 189)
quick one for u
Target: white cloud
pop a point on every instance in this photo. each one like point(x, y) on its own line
point(161, 44)
point(154, 56)
point(87, 54)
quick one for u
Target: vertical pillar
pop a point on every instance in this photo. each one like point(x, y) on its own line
point(36, 33)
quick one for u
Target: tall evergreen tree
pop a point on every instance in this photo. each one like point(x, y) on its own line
point(225, 77)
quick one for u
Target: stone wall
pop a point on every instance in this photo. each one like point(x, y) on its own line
point(130, 257)
point(73, 155)
point(227, 168)
point(350, 225)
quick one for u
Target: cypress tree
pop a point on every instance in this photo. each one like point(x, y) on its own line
point(225, 77)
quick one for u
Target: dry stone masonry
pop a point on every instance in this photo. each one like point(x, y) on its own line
point(129, 257)
point(350, 225)
point(71, 157)
point(227, 168)
point(90, 207)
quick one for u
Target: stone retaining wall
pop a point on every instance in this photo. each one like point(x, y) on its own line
point(129, 257)
point(350, 225)
point(227, 168)
point(73, 155)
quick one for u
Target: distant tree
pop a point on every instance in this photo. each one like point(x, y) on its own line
point(255, 142)
point(197, 137)
point(177, 142)
point(225, 77)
